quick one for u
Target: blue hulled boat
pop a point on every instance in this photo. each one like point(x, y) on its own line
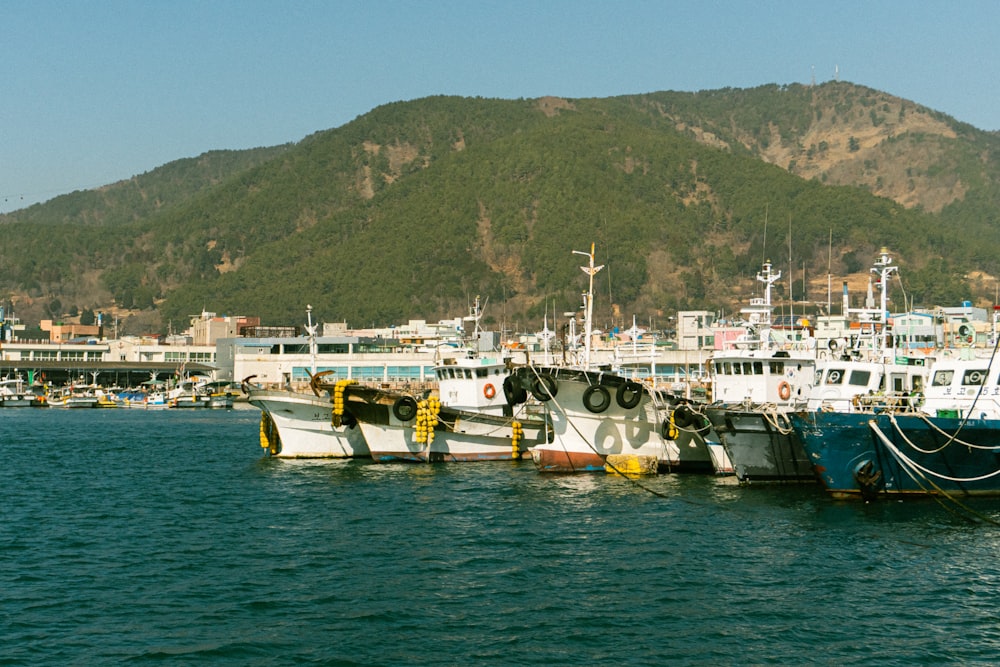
point(945, 440)
point(867, 455)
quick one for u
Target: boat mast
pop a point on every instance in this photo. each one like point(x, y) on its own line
point(883, 267)
point(768, 277)
point(591, 271)
point(311, 332)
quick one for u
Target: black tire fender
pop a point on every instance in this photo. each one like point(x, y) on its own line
point(514, 392)
point(405, 408)
point(596, 398)
point(544, 387)
point(629, 394)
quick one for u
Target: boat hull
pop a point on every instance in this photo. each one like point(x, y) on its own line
point(761, 446)
point(721, 463)
point(865, 456)
point(18, 401)
point(582, 439)
point(459, 436)
point(305, 429)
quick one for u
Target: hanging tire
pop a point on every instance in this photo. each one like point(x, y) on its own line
point(596, 398)
point(544, 387)
point(514, 392)
point(405, 408)
point(682, 416)
point(629, 394)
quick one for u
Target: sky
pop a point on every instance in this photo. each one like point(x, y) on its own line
point(93, 92)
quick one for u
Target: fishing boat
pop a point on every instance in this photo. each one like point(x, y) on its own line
point(756, 381)
point(866, 370)
point(468, 420)
point(143, 400)
point(301, 425)
point(598, 419)
point(943, 443)
point(15, 394)
point(399, 427)
point(687, 425)
point(200, 392)
point(296, 424)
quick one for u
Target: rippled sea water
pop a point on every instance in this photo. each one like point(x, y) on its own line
point(167, 537)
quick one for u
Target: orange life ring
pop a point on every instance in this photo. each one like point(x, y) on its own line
point(489, 391)
point(784, 391)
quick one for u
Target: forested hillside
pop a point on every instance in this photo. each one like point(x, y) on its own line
point(416, 207)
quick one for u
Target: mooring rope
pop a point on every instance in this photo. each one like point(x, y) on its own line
point(895, 451)
point(909, 466)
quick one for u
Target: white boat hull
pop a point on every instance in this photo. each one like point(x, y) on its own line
point(582, 439)
point(469, 438)
point(304, 423)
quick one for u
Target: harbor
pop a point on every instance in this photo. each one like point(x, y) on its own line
point(864, 403)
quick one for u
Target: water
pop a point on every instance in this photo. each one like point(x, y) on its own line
point(166, 537)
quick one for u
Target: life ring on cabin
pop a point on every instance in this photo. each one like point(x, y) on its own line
point(514, 392)
point(629, 394)
point(405, 408)
point(784, 391)
point(596, 398)
point(489, 391)
point(544, 387)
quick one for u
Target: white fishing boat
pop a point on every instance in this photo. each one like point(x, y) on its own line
point(598, 419)
point(406, 428)
point(200, 392)
point(15, 394)
point(296, 424)
point(594, 415)
point(469, 419)
point(301, 425)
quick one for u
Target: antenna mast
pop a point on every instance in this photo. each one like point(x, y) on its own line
point(591, 271)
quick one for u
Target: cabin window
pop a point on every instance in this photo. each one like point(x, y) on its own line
point(481, 372)
point(943, 378)
point(918, 383)
point(747, 368)
point(897, 383)
point(736, 368)
point(860, 378)
point(834, 376)
point(777, 367)
point(729, 368)
point(974, 376)
point(758, 368)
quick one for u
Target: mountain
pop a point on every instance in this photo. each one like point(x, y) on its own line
point(414, 208)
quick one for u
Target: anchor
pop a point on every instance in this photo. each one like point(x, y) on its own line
point(867, 480)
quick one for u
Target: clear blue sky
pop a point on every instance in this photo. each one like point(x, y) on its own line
point(94, 92)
